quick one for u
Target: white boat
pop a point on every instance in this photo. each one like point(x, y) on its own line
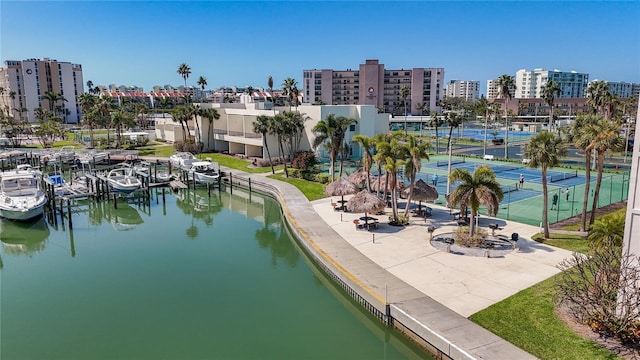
point(182, 160)
point(20, 195)
point(156, 177)
point(123, 180)
point(204, 172)
point(92, 157)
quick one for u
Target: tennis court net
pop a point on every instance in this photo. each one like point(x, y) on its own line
point(453, 162)
point(508, 188)
point(563, 176)
point(503, 168)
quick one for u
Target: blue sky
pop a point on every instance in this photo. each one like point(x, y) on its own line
point(242, 43)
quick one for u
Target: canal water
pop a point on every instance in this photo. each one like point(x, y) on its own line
point(193, 277)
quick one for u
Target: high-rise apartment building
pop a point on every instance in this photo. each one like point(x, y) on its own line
point(529, 84)
point(372, 84)
point(493, 91)
point(468, 90)
point(623, 89)
point(26, 82)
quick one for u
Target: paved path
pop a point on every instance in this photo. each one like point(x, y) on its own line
point(464, 284)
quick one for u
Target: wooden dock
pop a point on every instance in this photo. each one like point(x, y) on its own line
point(177, 185)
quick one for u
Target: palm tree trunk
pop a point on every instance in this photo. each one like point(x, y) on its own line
point(266, 147)
point(394, 202)
point(341, 163)
point(209, 136)
point(596, 192)
point(545, 203)
point(284, 158)
point(472, 222)
point(585, 201)
point(412, 177)
point(437, 140)
point(332, 162)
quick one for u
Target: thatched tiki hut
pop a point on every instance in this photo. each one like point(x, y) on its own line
point(341, 187)
point(420, 191)
point(365, 202)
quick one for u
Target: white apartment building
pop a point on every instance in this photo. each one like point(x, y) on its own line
point(493, 91)
point(373, 84)
point(25, 83)
point(529, 84)
point(466, 89)
point(233, 132)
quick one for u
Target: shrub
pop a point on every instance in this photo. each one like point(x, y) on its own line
point(304, 160)
point(463, 238)
point(322, 178)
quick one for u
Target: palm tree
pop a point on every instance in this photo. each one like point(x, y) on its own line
point(270, 85)
point(549, 92)
point(394, 153)
point(404, 93)
point(53, 97)
point(454, 122)
point(210, 114)
point(332, 129)
point(261, 126)
point(184, 70)
point(481, 188)
point(415, 151)
point(121, 119)
point(607, 138)
point(294, 123)
point(435, 122)
point(202, 81)
point(607, 232)
point(544, 151)
point(90, 86)
point(164, 104)
point(290, 89)
point(181, 115)
point(482, 106)
point(277, 128)
point(505, 83)
point(379, 157)
point(367, 144)
point(87, 103)
point(194, 112)
point(581, 134)
point(105, 105)
point(597, 96)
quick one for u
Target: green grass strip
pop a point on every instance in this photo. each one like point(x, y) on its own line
point(312, 190)
point(527, 319)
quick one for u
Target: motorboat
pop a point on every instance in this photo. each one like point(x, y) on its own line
point(204, 172)
point(157, 177)
point(20, 195)
point(182, 160)
point(92, 157)
point(123, 180)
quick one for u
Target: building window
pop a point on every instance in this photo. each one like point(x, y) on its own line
point(352, 127)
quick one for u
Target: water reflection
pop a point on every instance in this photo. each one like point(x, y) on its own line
point(23, 238)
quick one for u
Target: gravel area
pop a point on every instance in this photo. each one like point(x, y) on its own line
point(499, 249)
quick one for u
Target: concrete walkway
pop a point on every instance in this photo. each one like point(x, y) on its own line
point(464, 284)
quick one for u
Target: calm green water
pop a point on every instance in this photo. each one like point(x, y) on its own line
point(193, 278)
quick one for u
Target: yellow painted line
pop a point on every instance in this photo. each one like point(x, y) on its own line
point(325, 255)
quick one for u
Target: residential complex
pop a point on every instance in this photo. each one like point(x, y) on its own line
point(623, 89)
point(372, 84)
point(468, 90)
point(26, 82)
point(529, 84)
point(493, 91)
point(233, 133)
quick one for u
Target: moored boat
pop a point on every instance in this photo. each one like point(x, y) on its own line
point(123, 180)
point(182, 160)
point(204, 172)
point(20, 195)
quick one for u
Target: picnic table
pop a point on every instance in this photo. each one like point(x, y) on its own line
point(369, 222)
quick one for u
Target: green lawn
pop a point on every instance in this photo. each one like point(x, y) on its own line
point(156, 150)
point(527, 319)
point(312, 190)
point(236, 163)
point(564, 241)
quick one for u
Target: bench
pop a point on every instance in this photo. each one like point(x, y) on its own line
point(488, 157)
point(493, 228)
